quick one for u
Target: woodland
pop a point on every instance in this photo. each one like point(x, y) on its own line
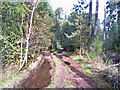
point(42, 48)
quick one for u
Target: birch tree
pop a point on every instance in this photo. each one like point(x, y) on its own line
point(1, 69)
point(28, 35)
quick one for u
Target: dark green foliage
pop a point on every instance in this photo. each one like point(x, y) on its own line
point(12, 30)
point(113, 26)
point(112, 43)
point(41, 39)
point(73, 29)
point(56, 29)
point(15, 24)
point(43, 8)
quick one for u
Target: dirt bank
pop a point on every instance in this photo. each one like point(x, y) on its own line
point(40, 77)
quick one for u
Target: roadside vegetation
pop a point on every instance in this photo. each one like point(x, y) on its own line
point(28, 30)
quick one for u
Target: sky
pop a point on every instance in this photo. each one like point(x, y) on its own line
point(68, 4)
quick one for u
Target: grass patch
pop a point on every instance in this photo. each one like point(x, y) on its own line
point(56, 51)
point(72, 56)
point(11, 78)
point(79, 60)
point(87, 71)
point(83, 66)
point(65, 53)
point(58, 74)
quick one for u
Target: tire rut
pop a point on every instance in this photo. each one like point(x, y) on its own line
point(79, 79)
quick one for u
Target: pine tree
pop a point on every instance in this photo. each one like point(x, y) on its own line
point(77, 20)
point(96, 20)
point(90, 27)
point(104, 22)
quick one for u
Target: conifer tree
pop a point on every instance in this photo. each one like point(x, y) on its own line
point(78, 20)
point(96, 20)
point(104, 22)
point(90, 27)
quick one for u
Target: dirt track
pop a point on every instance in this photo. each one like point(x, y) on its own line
point(41, 76)
point(79, 79)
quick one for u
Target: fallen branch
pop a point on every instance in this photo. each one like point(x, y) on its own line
point(114, 65)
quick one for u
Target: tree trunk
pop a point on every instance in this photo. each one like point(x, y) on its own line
point(104, 22)
point(116, 11)
point(21, 41)
point(110, 26)
point(1, 67)
point(108, 36)
point(96, 19)
point(28, 36)
point(90, 20)
point(80, 51)
point(27, 41)
point(55, 43)
point(116, 18)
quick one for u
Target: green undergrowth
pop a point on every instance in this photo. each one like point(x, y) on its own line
point(96, 64)
point(11, 78)
point(92, 66)
point(56, 51)
point(85, 64)
point(101, 82)
point(70, 54)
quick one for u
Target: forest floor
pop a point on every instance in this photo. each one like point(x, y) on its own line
point(58, 70)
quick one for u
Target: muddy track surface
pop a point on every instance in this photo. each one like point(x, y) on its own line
point(78, 78)
point(39, 77)
point(44, 74)
point(62, 76)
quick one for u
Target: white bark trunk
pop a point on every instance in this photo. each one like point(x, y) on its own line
point(21, 40)
point(28, 37)
point(1, 67)
point(21, 54)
